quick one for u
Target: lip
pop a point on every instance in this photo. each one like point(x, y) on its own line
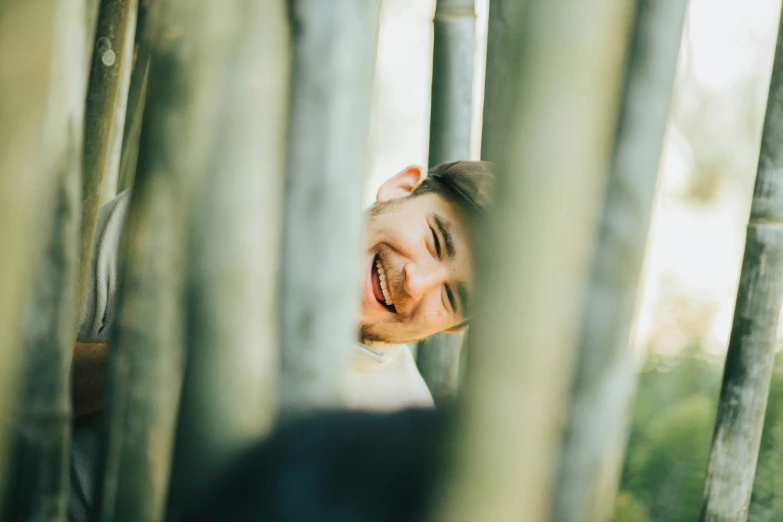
point(369, 294)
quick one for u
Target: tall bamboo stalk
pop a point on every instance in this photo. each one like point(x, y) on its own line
point(229, 397)
point(602, 392)
point(451, 126)
point(45, 408)
point(749, 361)
point(105, 113)
point(41, 100)
point(534, 270)
point(504, 32)
point(136, 96)
point(190, 40)
point(334, 47)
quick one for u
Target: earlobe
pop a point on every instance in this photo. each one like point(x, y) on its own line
point(401, 184)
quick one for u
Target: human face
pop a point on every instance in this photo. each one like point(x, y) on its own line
point(417, 260)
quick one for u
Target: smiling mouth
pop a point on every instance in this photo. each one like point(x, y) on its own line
point(379, 285)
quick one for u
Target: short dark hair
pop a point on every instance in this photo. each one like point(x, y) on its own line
point(468, 184)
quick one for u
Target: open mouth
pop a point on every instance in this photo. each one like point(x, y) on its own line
point(379, 288)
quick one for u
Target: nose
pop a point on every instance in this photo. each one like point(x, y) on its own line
point(421, 278)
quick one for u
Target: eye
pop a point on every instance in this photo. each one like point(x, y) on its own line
point(436, 241)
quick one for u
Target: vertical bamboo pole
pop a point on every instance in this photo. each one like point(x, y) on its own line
point(41, 101)
point(534, 271)
point(190, 40)
point(105, 112)
point(334, 46)
point(451, 126)
point(602, 392)
point(136, 95)
point(749, 361)
point(504, 32)
point(229, 396)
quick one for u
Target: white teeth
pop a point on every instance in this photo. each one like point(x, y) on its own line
point(382, 277)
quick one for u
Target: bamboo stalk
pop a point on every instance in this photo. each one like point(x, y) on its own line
point(105, 113)
point(749, 361)
point(533, 272)
point(41, 46)
point(229, 397)
point(45, 409)
point(136, 96)
point(451, 125)
point(602, 392)
point(504, 32)
point(190, 40)
point(438, 361)
point(334, 45)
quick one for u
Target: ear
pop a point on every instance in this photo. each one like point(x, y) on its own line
point(401, 184)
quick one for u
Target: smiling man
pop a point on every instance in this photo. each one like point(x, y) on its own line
point(417, 281)
point(418, 278)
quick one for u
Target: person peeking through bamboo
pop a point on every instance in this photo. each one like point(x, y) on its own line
point(417, 280)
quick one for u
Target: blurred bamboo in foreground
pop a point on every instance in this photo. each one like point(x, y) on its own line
point(602, 392)
point(229, 396)
point(41, 102)
point(334, 47)
point(534, 271)
point(749, 361)
point(451, 124)
point(186, 91)
point(44, 421)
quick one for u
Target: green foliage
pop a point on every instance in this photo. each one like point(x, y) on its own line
point(670, 439)
point(628, 509)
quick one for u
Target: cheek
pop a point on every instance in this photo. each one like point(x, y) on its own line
point(431, 312)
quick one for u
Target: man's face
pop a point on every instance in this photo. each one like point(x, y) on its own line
point(417, 271)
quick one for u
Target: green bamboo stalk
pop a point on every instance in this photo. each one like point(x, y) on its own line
point(749, 361)
point(187, 77)
point(45, 408)
point(451, 126)
point(504, 32)
point(229, 396)
point(41, 45)
point(105, 113)
point(602, 392)
point(136, 96)
point(120, 116)
point(334, 46)
point(438, 360)
point(534, 271)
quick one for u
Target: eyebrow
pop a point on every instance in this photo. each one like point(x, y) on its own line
point(445, 231)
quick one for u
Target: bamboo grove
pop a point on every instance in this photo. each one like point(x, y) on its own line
point(239, 124)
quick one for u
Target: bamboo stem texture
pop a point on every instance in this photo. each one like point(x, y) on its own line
point(229, 396)
point(504, 33)
point(41, 107)
point(105, 113)
point(534, 271)
point(334, 48)
point(451, 125)
point(137, 92)
point(749, 361)
point(146, 366)
point(602, 392)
